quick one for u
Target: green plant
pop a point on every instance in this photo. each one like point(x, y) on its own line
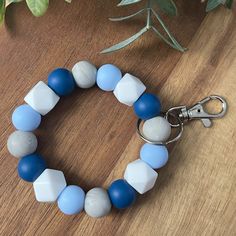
point(39, 7)
point(212, 4)
point(167, 7)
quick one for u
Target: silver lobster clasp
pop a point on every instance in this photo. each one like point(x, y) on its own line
point(197, 111)
point(180, 114)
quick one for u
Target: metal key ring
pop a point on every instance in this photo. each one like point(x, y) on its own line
point(180, 125)
point(170, 112)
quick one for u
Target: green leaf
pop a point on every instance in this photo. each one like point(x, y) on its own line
point(128, 2)
point(167, 6)
point(172, 42)
point(125, 42)
point(8, 2)
point(127, 17)
point(212, 4)
point(38, 7)
point(229, 3)
point(2, 10)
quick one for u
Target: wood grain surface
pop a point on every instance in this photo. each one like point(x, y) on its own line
point(91, 137)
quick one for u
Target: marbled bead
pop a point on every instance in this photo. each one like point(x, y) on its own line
point(155, 156)
point(42, 98)
point(25, 118)
point(140, 176)
point(49, 185)
point(22, 143)
point(84, 74)
point(108, 76)
point(157, 129)
point(129, 89)
point(71, 200)
point(97, 202)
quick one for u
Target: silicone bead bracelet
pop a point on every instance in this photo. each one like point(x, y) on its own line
point(49, 184)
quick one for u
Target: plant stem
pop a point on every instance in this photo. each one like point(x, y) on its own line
point(149, 14)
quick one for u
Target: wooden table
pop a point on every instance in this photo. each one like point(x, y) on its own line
point(91, 136)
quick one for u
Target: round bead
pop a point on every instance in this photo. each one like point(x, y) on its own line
point(122, 195)
point(61, 81)
point(71, 200)
point(22, 143)
point(84, 74)
point(157, 129)
point(31, 167)
point(97, 202)
point(25, 118)
point(147, 106)
point(155, 156)
point(108, 76)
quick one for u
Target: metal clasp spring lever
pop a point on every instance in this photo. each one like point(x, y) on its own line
point(197, 111)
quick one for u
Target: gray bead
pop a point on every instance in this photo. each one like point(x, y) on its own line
point(97, 202)
point(84, 74)
point(157, 129)
point(21, 143)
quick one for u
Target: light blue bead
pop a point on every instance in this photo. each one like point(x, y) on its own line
point(25, 118)
point(108, 76)
point(155, 156)
point(71, 200)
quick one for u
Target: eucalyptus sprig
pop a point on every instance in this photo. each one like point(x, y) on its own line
point(39, 7)
point(166, 6)
point(212, 4)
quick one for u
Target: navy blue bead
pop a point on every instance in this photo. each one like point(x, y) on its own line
point(147, 106)
point(61, 81)
point(30, 167)
point(122, 195)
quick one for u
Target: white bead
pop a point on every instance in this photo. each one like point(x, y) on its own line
point(22, 143)
point(157, 129)
point(49, 185)
point(129, 89)
point(42, 98)
point(84, 74)
point(140, 176)
point(97, 202)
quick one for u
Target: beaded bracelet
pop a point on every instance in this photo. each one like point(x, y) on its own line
point(140, 175)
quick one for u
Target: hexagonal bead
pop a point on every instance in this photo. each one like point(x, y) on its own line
point(42, 98)
point(49, 185)
point(140, 176)
point(129, 89)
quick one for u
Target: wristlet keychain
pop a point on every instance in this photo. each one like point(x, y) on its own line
point(140, 175)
